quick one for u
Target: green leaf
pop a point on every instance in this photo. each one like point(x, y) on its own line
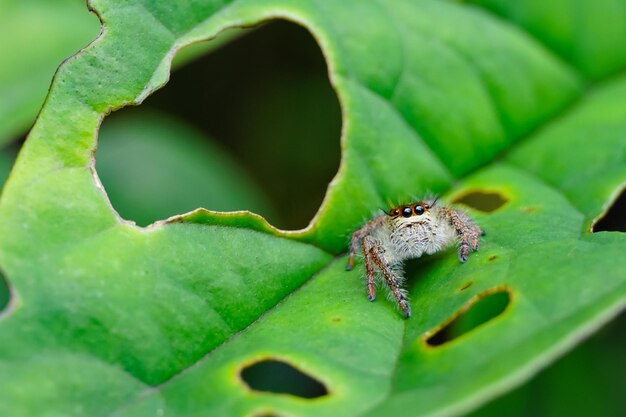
point(436, 96)
point(560, 390)
point(37, 36)
point(581, 32)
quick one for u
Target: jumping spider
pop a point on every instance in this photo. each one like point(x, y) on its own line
point(407, 232)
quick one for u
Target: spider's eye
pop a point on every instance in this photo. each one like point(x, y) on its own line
point(406, 212)
point(419, 209)
point(394, 212)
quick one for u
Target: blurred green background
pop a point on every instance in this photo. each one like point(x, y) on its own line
point(263, 137)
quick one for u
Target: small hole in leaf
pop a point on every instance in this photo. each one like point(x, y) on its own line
point(253, 124)
point(264, 414)
point(614, 220)
point(484, 201)
point(466, 285)
point(279, 377)
point(529, 209)
point(478, 311)
point(493, 257)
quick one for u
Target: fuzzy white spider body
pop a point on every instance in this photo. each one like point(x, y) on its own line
point(408, 238)
point(408, 232)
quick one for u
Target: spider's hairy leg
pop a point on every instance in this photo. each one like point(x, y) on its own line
point(358, 236)
point(467, 231)
point(392, 280)
point(366, 247)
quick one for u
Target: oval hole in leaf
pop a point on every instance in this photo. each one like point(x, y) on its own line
point(614, 220)
point(478, 311)
point(279, 377)
point(252, 125)
point(484, 201)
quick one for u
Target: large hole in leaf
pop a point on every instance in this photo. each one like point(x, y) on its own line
point(483, 308)
point(279, 377)
point(484, 201)
point(614, 220)
point(251, 125)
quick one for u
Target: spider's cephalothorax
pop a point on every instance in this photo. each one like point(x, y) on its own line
point(406, 232)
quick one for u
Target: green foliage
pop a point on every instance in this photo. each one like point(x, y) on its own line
point(35, 39)
point(108, 318)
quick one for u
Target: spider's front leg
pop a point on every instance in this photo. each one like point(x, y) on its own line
point(366, 247)
point(465, 228)
point(393, 281)
point(358, 236)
